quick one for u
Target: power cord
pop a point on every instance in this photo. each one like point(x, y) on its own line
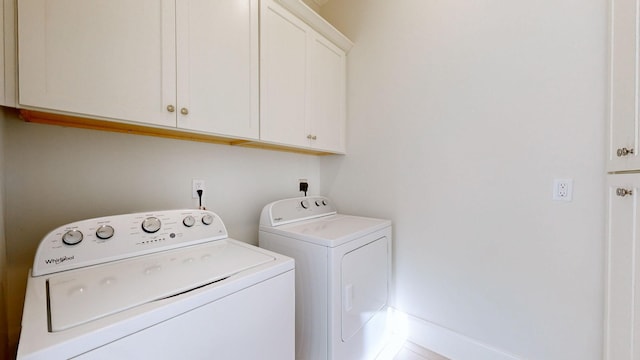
point(199, 191)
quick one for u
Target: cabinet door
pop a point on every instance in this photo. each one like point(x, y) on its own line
point(623, 116)
point(622, 315)
point(108, 58)
point(283, 75)
point(217, 59)
point(327, 95)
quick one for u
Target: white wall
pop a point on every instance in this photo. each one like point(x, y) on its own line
point(55, 175)
point(461, 114)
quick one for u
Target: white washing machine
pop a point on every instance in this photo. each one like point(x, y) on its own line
point(343, 266)
point(157, 285)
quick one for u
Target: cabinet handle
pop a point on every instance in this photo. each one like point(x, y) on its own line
point(623, 192)
point(184, 111)
point(171, 108)
point(311, 137)
point(624, 152)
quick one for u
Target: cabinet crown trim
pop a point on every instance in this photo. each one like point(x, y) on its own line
point(317, 22)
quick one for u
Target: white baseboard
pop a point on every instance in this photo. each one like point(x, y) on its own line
point(444, 341)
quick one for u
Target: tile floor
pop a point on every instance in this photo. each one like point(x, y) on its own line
point(411, 351)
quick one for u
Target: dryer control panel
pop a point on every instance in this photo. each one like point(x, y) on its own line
point(105, 239)
point(296, 209)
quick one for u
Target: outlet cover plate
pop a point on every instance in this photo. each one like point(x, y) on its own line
point(197, 184)
point(562, 189)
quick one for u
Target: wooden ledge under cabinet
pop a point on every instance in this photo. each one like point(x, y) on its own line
point(40, 117)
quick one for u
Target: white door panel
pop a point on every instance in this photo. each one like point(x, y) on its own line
point(623, 126)
point(283, 77)
point(364, 285)
point(112, 59)
point(327, 105)
point(622, 329)
point(218, 66)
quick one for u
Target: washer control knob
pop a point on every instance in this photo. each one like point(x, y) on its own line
point(324, 202)
point(318, 203)
point(105, 232)
point(151, 224)
point(72, 237)
point(207, 219)
point(189, 221)
point(304, 204)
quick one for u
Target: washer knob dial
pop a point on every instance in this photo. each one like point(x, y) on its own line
point(151, 224)
point(189, 221)
point(207, 219)
point(72, 237)
point(105, 232)
point(304, 204)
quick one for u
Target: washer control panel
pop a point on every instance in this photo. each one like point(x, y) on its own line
point(296, 209)
point(110, 238)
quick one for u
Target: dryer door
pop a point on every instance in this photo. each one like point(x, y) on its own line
point(365, 281)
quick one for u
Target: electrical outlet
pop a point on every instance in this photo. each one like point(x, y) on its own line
point(562, 189)
point(196, 184)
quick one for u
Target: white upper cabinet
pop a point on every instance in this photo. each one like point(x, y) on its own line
point(623, 128)
point(190, 64)
point(302, 88)
point(204, 66)
point(217, 58)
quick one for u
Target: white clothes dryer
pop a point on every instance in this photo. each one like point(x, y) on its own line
point(157, 285)
point(343, 266)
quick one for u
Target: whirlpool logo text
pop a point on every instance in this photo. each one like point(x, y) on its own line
point(59, 260)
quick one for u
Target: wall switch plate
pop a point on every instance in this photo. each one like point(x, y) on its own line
point(562, 189)
point(196, 184)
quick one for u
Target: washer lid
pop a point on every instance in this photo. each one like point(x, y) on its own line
point(332, 230)
point(80, 296)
